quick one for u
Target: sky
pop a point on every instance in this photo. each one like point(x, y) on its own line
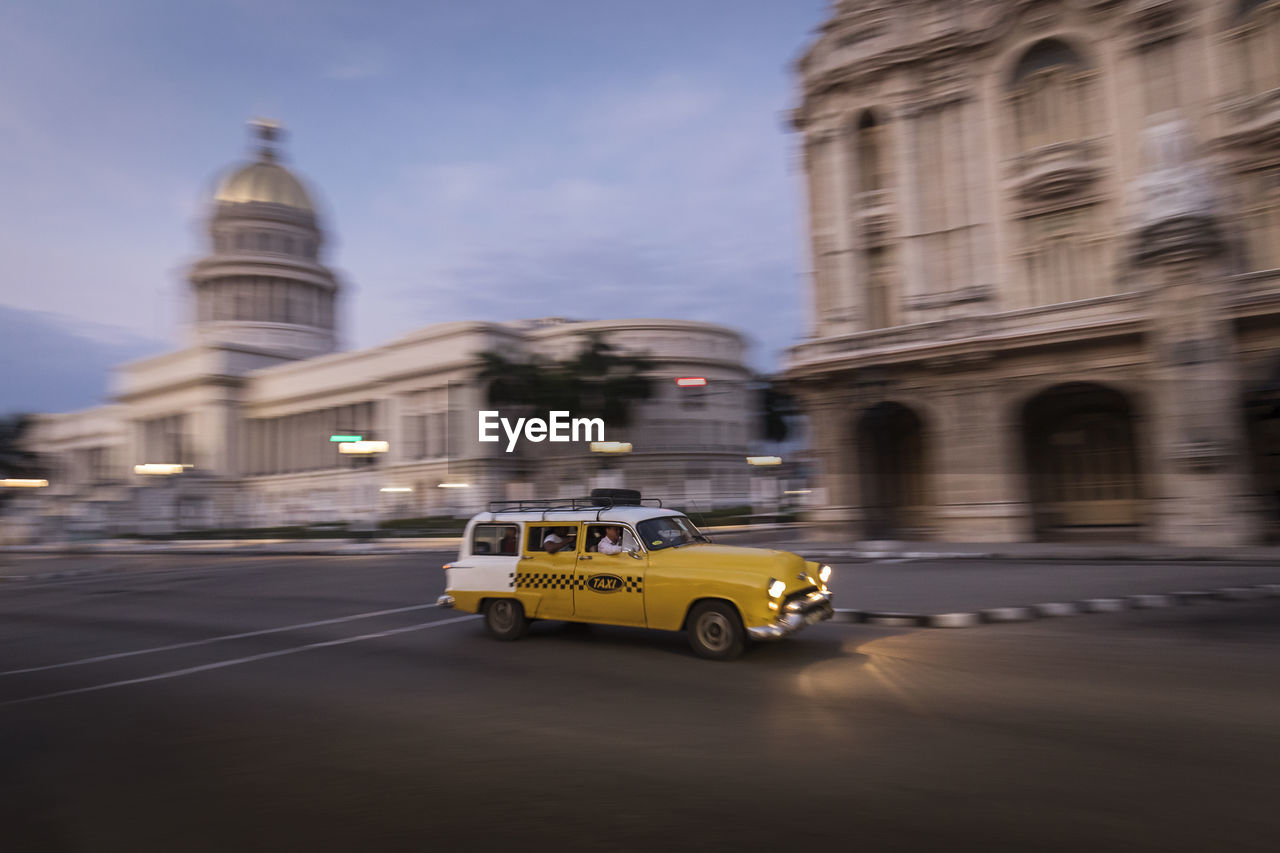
point(485, 160)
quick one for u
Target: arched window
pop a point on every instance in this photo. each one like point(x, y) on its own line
point(1050, 93)
point(870, 146)
point(1256, 52)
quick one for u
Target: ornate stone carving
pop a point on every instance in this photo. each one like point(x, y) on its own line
point(1150, 21)
point(1254, 125)
point(1059, 171)
point(1175, 217)
point(874, 211)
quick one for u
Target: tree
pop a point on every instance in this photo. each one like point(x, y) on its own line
point(15, 460)
point(599, 381)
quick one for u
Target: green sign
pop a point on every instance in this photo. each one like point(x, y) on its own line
point(346, 438)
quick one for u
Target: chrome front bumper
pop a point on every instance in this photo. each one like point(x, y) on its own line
point(445, 601)
point(814, 607)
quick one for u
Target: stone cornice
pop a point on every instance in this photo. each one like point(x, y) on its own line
point(977, 350)
point(1087, 321)
point(226, 266)
point(212, 380)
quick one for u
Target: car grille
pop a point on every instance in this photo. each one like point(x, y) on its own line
point(799, 595)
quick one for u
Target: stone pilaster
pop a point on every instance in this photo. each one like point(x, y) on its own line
point(831, 444)
point(1200, 454)
point(976, 486)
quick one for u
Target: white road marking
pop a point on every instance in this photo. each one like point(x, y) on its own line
point(223, 638)
point(178, 673)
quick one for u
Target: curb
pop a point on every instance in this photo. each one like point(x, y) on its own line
point(996, 615)
point(827, 554)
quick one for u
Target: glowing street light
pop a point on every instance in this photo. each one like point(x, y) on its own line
point(363, 447)
point(396, 489)
point(160, 468)
point(764, 460)
point(455, 485)
point(20, 483)
point(610, 447)
point(691, 381)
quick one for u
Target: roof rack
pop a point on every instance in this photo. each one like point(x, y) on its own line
point(545, 505)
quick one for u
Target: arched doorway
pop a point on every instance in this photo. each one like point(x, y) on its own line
point(1082, 463)
point(892, 465)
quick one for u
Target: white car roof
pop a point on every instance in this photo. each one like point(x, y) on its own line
point(623, 514)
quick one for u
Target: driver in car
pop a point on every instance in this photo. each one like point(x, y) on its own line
point(612, 541)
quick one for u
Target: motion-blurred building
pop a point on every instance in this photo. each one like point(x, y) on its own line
point(1046, 268)
point(251, 403)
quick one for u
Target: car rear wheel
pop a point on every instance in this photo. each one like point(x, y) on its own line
point(505, 619)
point(715, 631)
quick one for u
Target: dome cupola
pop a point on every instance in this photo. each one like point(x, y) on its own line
point(263, 285)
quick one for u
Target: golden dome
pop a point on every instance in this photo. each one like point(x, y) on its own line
point(264, 181)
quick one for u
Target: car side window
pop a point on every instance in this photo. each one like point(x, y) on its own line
point(551, 538)
point(495, 539)
point(598, 533)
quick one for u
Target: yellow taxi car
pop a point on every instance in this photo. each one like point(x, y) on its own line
point(616, 560)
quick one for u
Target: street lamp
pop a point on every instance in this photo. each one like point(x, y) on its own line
point(160, 468)
point(20, 483)
point(764, 460)
point(363, 448)
point(610, 447)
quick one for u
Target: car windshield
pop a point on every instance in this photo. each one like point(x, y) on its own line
point(669, 531)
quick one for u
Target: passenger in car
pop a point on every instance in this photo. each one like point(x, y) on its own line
point(557, 538)
point(510, 543)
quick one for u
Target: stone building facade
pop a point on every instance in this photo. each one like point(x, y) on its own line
point(1046, 268)
point(250, 403)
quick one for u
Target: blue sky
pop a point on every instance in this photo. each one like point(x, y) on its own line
point(494, 159)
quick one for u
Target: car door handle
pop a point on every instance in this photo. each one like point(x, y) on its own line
point(584, 557)
point(526, 557)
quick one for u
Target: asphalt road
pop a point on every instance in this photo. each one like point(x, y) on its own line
point(323, 704)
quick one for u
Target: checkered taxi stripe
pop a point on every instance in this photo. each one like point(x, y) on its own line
point(563, 580)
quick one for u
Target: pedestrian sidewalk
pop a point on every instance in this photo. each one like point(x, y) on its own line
point(1029, 551)
point(787, 537)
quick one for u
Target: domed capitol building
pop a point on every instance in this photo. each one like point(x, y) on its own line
point(250, 404)
point(1046, 268)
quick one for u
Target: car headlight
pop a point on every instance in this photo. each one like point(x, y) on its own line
point(825, 574)
point(777, 588)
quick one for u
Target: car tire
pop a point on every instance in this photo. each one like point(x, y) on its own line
point(716, 632)
point(505, 619)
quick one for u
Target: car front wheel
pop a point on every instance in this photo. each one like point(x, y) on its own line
point(715, 631)
point(505, 619)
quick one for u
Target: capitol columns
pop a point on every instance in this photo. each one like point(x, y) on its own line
point(1199, 489)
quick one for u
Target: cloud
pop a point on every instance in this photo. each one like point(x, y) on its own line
point(357, 62)
point(60, 365)
point(670, 200)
